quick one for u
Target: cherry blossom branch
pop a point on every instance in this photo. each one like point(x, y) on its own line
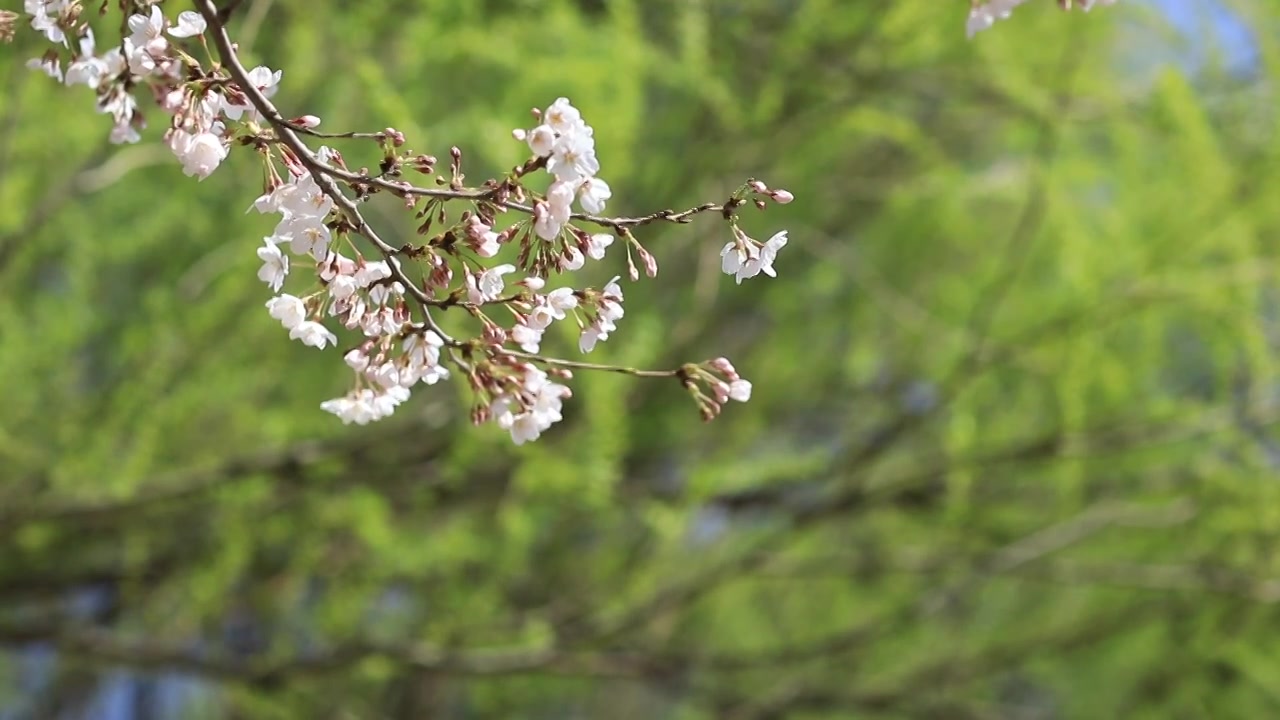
point(391, 301)
point(287, 133)
point(284, 131)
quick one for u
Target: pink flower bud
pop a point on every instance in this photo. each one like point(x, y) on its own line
point(494, 335)
point(782, 197)
point(758, 186)
point(650, 262)
point(721, 391)
point(174, 100)
point(723, 365)
point(306, 121)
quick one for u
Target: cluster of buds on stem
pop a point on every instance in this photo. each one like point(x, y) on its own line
point(487, 251)
point(712, 384)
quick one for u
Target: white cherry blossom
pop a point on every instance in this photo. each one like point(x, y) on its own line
point(312, 334)
point(560, 202)
point(275, 266)
point(87, 69)
point(542, 140)
point(562, 116)
point(527, 337)
point(573, 158)
point(262, 78)
point(597, 244)
point(48, 66)
point(199, 153)
point(592, 193)
point(733, 257)
point(763, 262)
point(545, 225)
point(573, 259)
point(289, 310)
point(560, 301)
point(189, 24)
point(343, 287)
point(489, 284)
point(590, 336)
point(372, 272)
point(148, 32)
point(356, 359)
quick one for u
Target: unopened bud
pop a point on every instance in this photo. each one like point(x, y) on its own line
point(494, 335)
point(757, 186)
point(173, 101)
point(782, 197)
point(721, 391)
point(306, 121)
point(650, 262)
point(424, 164)
point(723, 365)
point(234, 95)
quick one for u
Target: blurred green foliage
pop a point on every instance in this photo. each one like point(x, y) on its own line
point(1010, 452)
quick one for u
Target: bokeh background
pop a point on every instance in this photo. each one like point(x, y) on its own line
point(1011, 452)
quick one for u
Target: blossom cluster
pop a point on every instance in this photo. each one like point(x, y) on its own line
point(144, 55)
point(568, 145)
point(360, 294)
point(984, 13)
